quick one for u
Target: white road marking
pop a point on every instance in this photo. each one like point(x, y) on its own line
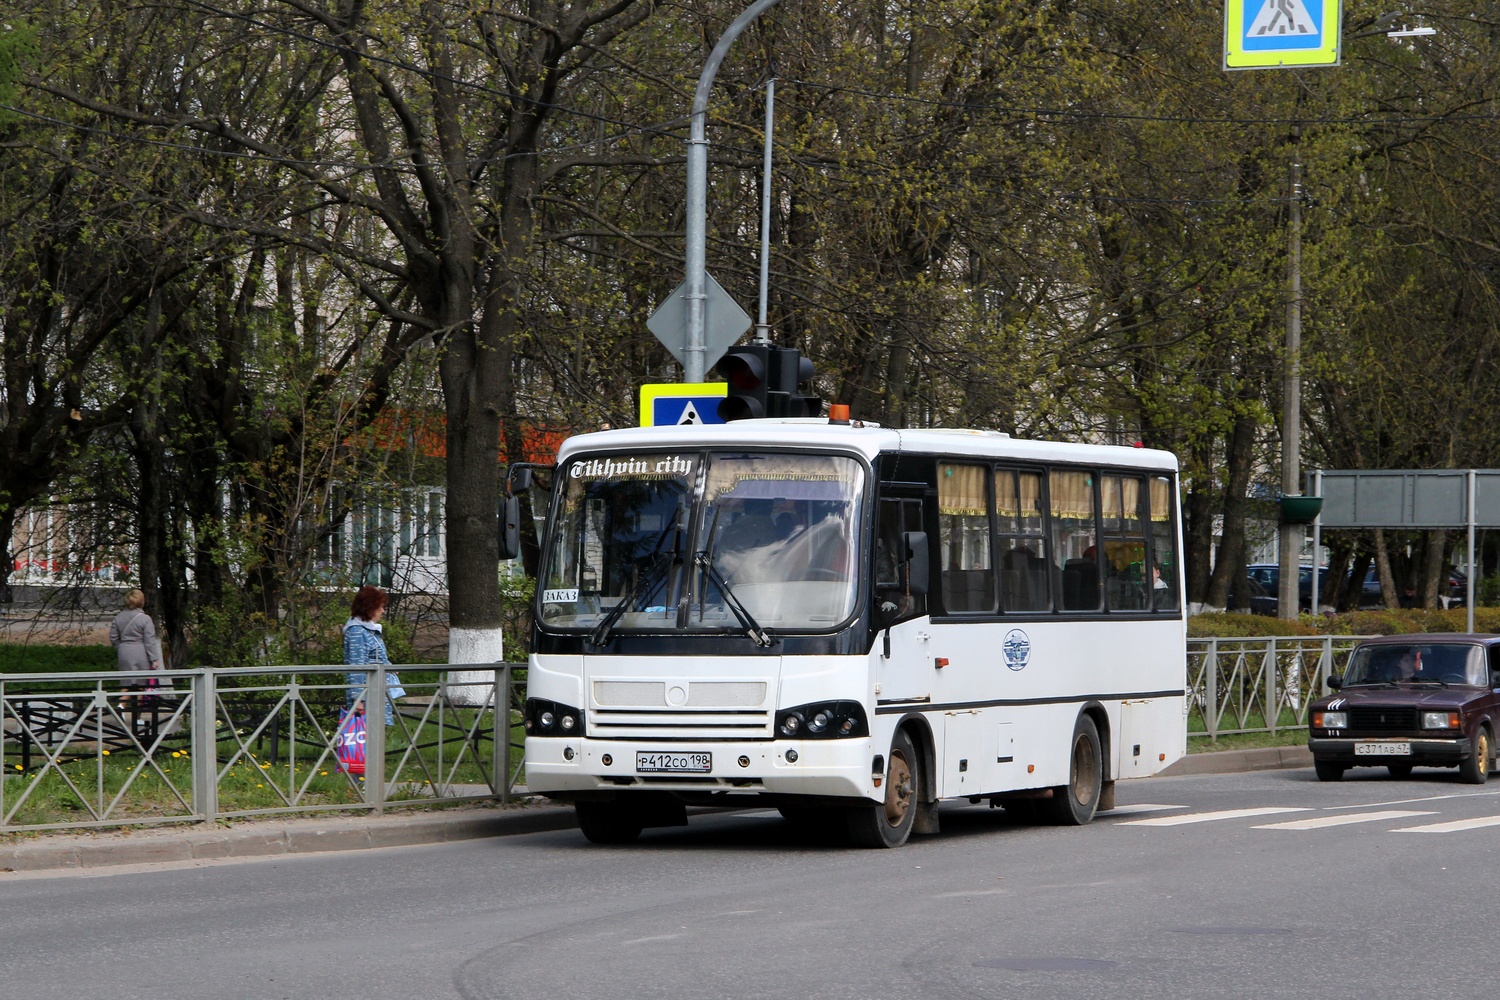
point(1210, 817)
point(1452, 827)
point(1319, 822)
point(1144, 807)
point(1424, 798)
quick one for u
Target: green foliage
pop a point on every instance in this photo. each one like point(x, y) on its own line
point(33, 658)
point(1231, 625)
point(1403, 621)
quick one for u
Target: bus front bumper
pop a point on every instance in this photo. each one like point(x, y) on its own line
point(816, 767)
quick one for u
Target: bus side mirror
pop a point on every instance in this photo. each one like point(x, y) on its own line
point(1335, 681)
point(915, 544)
point(518, 480)
point(510, 527)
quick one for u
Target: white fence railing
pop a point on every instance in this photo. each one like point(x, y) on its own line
point(83, 750)
point(1259, 685)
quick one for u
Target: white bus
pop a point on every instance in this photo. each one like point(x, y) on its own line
point(851, 623)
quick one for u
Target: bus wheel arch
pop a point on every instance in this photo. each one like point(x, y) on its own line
point(1075, 803)
point(905, 791)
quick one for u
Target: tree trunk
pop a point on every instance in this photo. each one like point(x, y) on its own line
point(1230, 565)
point(1388, 593)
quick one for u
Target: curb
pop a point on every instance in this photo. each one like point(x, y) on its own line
point(1238, 761)
point(280, 837)
point(272, 838)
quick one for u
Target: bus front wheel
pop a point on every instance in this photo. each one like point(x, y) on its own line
point(889, 823)
point(608, 822)
point(1073, 804)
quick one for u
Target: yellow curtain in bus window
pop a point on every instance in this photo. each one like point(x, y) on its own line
point(961, 490)
point(1072, 495)
point(1161, 499)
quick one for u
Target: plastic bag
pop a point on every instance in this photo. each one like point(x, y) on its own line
point(349, 742)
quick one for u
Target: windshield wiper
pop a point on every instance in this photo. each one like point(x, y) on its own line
point(752, 627)
point(642, 587)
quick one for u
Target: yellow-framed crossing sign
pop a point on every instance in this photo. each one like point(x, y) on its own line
point(1281, 34)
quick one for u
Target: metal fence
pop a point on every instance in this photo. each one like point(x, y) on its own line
point(83, 750)
point(1259, 685)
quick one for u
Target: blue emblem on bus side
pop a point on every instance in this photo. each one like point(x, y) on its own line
point(1017, 648)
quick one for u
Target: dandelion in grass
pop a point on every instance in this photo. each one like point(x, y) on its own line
point(104, 752)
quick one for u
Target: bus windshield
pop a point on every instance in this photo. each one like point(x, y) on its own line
point(686, 541)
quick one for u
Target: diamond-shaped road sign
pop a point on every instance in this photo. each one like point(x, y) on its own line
point(723, 323)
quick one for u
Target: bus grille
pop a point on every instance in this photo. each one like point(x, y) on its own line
point(679, 724)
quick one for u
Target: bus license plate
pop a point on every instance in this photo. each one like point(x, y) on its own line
point(1382, 748)
point(668, 762)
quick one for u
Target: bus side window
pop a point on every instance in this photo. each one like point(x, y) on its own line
point(1075, 528)
point(968, 579)
point(1163, 546)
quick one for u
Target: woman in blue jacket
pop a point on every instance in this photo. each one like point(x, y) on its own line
point(364, 644)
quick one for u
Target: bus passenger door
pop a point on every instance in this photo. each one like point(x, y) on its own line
point(902, 631)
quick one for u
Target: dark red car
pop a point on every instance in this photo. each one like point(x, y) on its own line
point(1411, 700)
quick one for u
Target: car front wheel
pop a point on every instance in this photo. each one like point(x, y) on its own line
point(1475, 770)
point(1329, 770)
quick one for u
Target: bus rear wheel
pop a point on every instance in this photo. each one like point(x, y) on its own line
point(608, 822)
point(1073, 804)
point(889, 823)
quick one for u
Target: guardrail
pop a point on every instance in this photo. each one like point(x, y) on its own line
point(1259, 685)
point(82, 750)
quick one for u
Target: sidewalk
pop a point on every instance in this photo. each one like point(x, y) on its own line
point(304, 835)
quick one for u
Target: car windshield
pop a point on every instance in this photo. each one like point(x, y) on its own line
point(1416, 663)
point(664, 541)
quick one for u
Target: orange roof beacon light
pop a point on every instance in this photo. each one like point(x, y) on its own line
point(838, 413)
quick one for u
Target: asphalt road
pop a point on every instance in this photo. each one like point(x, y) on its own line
point(1369, 888)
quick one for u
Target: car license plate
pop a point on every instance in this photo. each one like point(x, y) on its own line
point(673, 762)
point(1382, 748)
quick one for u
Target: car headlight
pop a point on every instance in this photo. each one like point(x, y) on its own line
point(1439, 720)
point(1330, 720)
point(822, 720)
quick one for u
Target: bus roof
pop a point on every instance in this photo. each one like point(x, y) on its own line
point(868, 441)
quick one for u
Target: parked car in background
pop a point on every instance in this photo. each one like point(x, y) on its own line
point(1452, 594)
point(1268, 576)
point(1411, 700)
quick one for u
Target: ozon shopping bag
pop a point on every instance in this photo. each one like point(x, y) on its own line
point(349, 741)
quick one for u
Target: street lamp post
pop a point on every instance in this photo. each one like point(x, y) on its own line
point(696, 294)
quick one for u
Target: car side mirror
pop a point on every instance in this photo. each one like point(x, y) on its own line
point(1335, 681)
point(510, 527)
point(1495, 678)
point(915, 544)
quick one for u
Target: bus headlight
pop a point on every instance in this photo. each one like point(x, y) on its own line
point(550, 718)
point(822, 720)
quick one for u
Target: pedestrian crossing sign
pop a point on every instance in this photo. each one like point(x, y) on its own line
point(1281, 34)
point(672, 404)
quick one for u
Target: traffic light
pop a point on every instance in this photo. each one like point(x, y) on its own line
point(764, 381)
point(746, 370)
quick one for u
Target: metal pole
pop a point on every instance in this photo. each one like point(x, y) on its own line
point(1317, 561)
point(375, 687)
point(1469, 584)
point(500, 744)
point(693, 367)
point(762, 329)
point(205, 745)
point(1291, 428)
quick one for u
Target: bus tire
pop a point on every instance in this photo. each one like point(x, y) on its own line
point(1073, 804)
point(889, 823)
point(608, 822)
